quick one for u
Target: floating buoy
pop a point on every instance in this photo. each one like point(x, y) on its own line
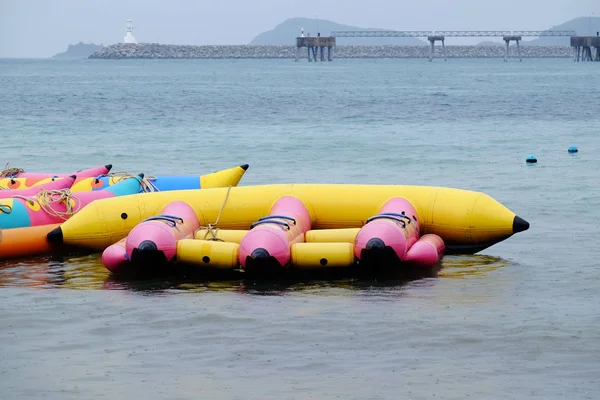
point(573, 149)
point(531, 159)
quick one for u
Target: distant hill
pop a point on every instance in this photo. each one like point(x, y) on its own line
point(287, 32)
point(583, 26)
point(79, 50)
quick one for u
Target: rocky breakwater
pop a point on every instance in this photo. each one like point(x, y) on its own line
point(165, 51)
point(171, 51)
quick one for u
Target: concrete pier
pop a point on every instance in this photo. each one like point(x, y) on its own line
point(314, 46)
point(586, 48)
point(432, 40)
point(507, 40)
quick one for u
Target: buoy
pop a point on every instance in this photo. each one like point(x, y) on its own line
point(573, 149)
point(531, 159)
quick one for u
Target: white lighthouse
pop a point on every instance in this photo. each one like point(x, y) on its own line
point(129, 38)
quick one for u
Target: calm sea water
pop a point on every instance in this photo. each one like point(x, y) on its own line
point(519, 320)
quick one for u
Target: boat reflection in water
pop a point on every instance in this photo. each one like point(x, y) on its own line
point(88, 273)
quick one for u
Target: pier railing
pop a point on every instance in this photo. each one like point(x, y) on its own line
point(382, 33)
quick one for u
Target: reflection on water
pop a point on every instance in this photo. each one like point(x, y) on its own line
point(471, 266)
point(87, 273)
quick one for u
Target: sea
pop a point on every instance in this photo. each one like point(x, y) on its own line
point(519, 320)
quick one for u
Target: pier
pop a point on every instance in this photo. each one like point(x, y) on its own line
point(440, 36)
point(432, 40)
point(314, 46)
point(507, 40)
point(586, 48)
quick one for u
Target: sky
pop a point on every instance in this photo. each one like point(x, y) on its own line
point(42, 28)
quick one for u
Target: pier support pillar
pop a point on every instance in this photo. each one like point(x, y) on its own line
point(432, 40)
point(586, 48)
point(507, 40)
point(431, 51)
point(444, 50)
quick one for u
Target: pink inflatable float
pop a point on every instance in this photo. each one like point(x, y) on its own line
point(392, 237)
point(53, 184)
point(266, 247)
point(85, 173)
point(153, 242)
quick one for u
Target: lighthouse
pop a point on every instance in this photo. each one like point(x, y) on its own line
point(129, 38)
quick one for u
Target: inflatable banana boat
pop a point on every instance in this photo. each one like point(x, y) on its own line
point(387, 244)
point(25, 231)
point(87, 183)
point(17, 175)
point(52, 184)
point(26, 221)
point(57, 205)
point(467, 221)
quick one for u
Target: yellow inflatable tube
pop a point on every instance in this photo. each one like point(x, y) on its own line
point(225, 255)
point(467, 221)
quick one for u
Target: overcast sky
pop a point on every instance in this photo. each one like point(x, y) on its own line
point(42, 28)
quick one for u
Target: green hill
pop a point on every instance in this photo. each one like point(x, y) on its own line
point(583, 26)
point(287, 32)
point(79, 50)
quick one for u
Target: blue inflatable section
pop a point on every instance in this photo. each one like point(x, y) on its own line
point(16, 217)
point(174, 182)
point(164, 183)
point(125, 187)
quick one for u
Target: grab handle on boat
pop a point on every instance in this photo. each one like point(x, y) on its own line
point(395, 216)
point(278, 216)
point(270, 221)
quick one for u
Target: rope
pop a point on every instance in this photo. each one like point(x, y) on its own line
point(25, 198)
point(48, 197)
point(6, 209)
point(8, 172)
point(146, 182)
point(210, 229)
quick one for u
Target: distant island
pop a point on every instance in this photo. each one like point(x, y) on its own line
point(286, 32)
point(79, 50)
point(583, 26)
point(279, 42)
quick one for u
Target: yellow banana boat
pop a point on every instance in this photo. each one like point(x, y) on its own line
point(467, 221)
